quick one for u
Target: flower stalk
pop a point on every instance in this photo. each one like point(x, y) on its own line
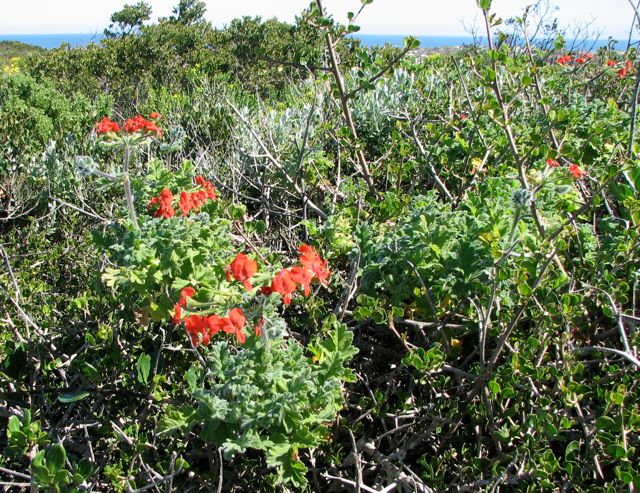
point(127, 187)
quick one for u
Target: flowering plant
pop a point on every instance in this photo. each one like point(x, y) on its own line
point(181, 267)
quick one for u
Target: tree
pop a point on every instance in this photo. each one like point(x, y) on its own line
point(189, 12)
point(128, 20)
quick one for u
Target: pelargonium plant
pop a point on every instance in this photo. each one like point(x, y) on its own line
point(181, 267)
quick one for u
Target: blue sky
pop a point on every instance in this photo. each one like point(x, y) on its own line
point(416, 17)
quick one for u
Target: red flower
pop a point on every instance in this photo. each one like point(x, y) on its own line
point(155, 116)
point(201, 328)
point(209, 188)
point(565, 59)
point(105, 126)
point(627, 69)
point(610, 63)
point(575, 170)
point(177, 314)
point(580, 60)
point(302, 276)
point(284, 284)
point(552, 162)
point(165, 201)
point(242, 268)
point(198, 328)
point(309, 258)
point(237, 318)
point(151, 128)
point(133, 125)
point(258, 327)
point(233, 324)
point(137, 124)
point(187, 292)
point(215, 324)
point(186, 204)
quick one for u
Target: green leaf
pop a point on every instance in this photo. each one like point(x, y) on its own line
point(84, 468)
point(73, 396)
point(144, 367)
point(56, 457)
point(13, 425)
point(605, 423)
point(41, 474)
point(192, 376)
point(494, 387)
point(573, 449)
point(174, 420)
point(484, 4)
point(616, 451)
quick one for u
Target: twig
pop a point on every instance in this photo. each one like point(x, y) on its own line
point(592, 349)
point(15, 473)
point(274, 161)
point(346, 110)
point(353, 483)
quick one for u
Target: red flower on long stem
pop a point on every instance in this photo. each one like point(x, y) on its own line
point(309, 258)
point(238, 320)
point(187, 292)
point(242, 268)
point(165, 203)
point(284, 284)
point(209, 187)
point(552, 163)
point(302, 276)
point(105, 126)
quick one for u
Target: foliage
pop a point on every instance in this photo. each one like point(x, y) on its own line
point(128, 20)
point(168, 316)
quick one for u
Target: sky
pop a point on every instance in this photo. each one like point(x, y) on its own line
point(408, 17)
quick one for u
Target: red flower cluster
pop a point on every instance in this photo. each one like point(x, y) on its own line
point(140, 124)
point(585, 58)
point(188, 200)
point(105, 126)
point(208, 187)
point(627, 69)
point(576, 171)
point(287, 281)
point(177, 308)
point(242, 269)
point(165, 200)
point(195, 200)
point(132, 125)
point(564, 59)
point(201, 328)
point(310, 259)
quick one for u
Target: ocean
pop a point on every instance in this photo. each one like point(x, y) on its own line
point(55, 40)
point(52, 40)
